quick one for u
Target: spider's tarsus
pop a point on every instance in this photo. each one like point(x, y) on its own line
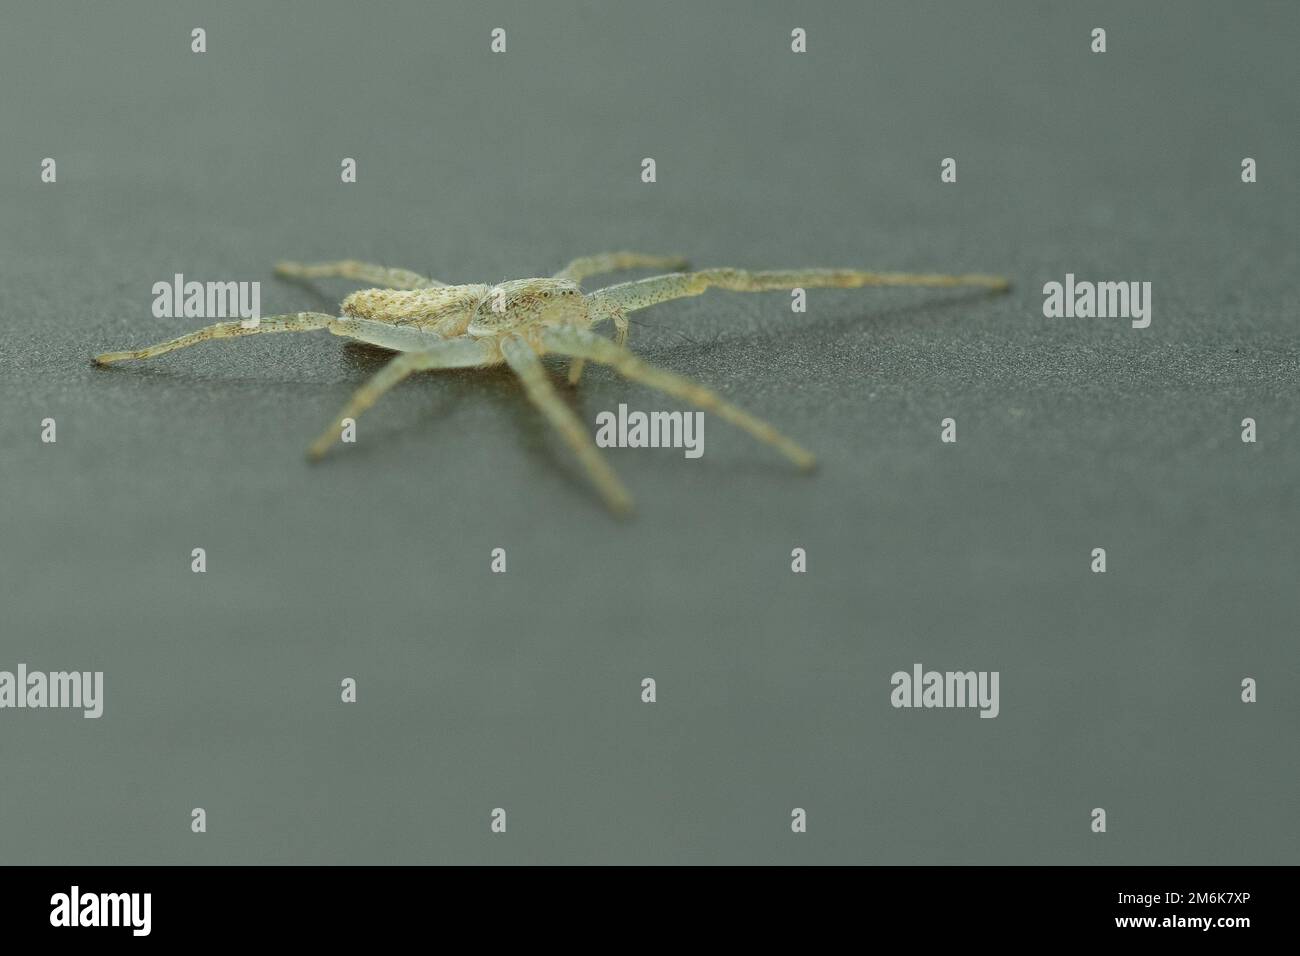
point(995, 284)
point(621, 507)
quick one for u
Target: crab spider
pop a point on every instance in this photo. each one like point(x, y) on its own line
point(431, 325)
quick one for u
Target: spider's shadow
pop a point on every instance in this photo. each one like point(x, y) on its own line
point(907, 312)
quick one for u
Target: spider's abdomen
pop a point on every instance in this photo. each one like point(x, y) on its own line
point(423, 308)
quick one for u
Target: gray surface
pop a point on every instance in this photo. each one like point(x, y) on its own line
point(478, 691)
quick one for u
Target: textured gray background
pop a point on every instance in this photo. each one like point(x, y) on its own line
point(521, 691)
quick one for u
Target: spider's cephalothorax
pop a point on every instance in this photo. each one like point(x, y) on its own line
point(432, 325)
point(522, 303)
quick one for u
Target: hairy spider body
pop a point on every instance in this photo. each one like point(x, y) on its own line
point(432, 325)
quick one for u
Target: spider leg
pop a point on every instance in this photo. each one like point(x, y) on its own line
point(379, 276)
point(620, 339)
point(525, 363)
point(292, 322)
point(579, 343)
point(584, 266)
point(447, 353)
point(630, 296)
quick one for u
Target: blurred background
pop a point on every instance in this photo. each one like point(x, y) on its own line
point(522, 690)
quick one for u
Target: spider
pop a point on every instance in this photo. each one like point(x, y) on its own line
point(432, 325)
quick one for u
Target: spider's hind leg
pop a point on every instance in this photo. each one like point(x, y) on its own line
point(292, 322)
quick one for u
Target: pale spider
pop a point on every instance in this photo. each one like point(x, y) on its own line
point(433, 325)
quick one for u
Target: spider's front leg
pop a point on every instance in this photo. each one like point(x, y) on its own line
point(585, 266)
point(576, 365)
point(630, 296)
point(525, 363)
point(580, 343)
